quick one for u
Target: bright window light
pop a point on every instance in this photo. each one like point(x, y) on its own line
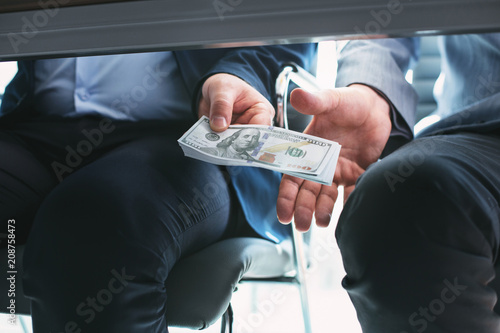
point(7, 71)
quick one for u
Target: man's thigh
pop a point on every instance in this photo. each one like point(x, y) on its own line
point(137, 209)
point(24, 183)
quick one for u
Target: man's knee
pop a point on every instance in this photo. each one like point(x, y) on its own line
point(403, 202)
point(414, 166)
point(401, 188)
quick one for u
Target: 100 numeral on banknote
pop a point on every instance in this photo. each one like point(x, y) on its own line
point(268, 147)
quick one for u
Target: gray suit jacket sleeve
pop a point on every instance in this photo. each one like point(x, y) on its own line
point(382, 65)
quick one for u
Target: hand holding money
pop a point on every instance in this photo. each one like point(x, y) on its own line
point(227, 99)
point(268, 147)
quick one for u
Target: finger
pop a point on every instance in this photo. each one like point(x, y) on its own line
point(313, 103)
point(347, 172)
point(306, 204)
point(262, 118)
point(347, 192)
point(324, 205)
point(259, 113)
point(203, 107)
point(285, 205)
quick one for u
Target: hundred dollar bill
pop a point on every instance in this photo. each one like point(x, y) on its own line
point(269, 147)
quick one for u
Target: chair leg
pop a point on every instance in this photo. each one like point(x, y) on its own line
point(300, 263)
point(305, 307)
point(22, 320)
point(226, 325)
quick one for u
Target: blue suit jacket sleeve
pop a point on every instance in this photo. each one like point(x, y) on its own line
point(259, 66)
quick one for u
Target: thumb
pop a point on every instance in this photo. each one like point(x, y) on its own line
point(221, 110)
point(350, 105)
point(219, 103)
point(314, 103)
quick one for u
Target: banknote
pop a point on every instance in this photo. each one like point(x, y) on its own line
point(269, 147)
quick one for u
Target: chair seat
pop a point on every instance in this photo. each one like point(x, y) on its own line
point(199, 287)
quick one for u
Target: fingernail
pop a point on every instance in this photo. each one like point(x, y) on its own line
point(219, 122)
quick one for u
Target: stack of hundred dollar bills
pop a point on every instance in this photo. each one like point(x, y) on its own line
point(293, 153)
